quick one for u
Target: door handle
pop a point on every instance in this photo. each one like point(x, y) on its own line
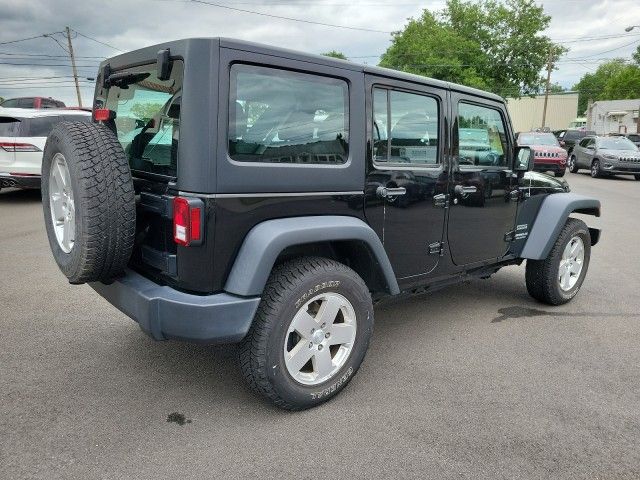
point(386, 192)
point(463, 191)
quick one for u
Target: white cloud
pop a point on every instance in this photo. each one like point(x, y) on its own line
point(131, 24)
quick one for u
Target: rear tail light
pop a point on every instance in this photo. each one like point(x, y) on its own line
point(19, 147)
point(188, 221)
point(103, 114)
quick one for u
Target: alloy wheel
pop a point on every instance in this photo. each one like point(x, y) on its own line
point(320, 338)
point(571, 264)
point(61, 203)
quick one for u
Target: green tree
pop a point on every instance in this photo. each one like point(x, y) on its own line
point(496, 46)
point(335, 54)
point(636, 55)
point(625, 84)
point(593, 85)
point(145, 111)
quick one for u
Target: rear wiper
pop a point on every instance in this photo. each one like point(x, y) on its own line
point(123, 79)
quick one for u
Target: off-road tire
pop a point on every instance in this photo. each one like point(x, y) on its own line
point(261, 354)
point(542, 275)
point(573, 164)
point(596, 171)
point(105, 212)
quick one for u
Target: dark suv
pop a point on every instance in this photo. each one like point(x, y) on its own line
point(234, 192)
point(569, 138)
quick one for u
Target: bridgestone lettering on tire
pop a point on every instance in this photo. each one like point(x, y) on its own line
point(103, 213)
point(292, 288)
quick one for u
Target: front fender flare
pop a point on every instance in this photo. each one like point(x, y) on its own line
point(552, 216)
point(268, 239)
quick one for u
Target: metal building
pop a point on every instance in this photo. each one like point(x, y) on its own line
point(613, 116)
point(526, 112)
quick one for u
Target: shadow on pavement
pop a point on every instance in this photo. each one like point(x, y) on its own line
point(14, 195)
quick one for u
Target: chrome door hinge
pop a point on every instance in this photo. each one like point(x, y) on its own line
point(436, 248)
point(441, 200)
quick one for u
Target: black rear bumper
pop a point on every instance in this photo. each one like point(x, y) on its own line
point(19, 181)
point(165, 313)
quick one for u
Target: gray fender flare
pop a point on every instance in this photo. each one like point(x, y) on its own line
point(552, 216)
point(268, 239)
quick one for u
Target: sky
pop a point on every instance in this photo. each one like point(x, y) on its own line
point(125, 25)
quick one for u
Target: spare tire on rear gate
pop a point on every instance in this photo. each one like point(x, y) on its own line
point(88, 201)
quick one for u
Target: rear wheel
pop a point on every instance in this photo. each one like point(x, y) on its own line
point(595, 169)
point(88, 201)
point(573, 166)
point(637, 177)
point(310, 333)
point(558, 278)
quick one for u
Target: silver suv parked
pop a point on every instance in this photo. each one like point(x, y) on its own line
point(606, 156)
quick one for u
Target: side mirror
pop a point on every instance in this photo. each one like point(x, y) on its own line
point(524, 159)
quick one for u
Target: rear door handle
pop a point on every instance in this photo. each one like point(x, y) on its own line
point(386, 192)
point(464, 191)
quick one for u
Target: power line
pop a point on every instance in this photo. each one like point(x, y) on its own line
point(98, 41)
point(47, 55)
point(28, 38)
point(228, 7)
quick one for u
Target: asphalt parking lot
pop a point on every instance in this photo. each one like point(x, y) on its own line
point(475, 381)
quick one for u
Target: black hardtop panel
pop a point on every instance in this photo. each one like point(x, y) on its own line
point(186, 48)
point(179, 47)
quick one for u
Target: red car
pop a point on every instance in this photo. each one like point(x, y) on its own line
point(549, 155)
point(32, 102)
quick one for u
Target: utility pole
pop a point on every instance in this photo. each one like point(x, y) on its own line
point(546, 92)
point(73, 64)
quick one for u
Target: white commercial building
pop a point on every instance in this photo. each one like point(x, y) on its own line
point(526, 112)
point(613, 116)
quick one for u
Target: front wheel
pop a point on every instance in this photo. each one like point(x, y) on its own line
point(558, 278)
point(310, 333)
point(637, 177)
point(559, 174)
point(573, 166)
point(595, 169)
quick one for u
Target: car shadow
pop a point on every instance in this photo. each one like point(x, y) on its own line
point(16, 195)
point(210, 374)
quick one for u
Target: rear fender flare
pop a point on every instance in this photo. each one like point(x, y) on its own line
point(552, 216)
point(264, 243)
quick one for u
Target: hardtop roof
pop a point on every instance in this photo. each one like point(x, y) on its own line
point(187, 44)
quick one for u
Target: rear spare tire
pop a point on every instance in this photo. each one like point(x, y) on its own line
point(88, 201)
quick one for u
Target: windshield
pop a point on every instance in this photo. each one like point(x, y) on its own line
point(616, 143)
point(147, 120)
point(538, 139)
point(634, 138)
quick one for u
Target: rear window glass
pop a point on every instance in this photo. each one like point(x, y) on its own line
point(40, 126)
point(147, 120)
point(278, 116)
point(9, 126)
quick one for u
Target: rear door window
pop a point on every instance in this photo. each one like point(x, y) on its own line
point(405, 128)
point(147, 120)
point(278, 116)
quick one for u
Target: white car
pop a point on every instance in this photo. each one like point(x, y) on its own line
point(23, 133)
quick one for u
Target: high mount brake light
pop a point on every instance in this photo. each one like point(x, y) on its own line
point(188, 221)
point(19, 147)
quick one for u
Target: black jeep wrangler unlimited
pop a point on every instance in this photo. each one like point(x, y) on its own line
point(234, 192)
